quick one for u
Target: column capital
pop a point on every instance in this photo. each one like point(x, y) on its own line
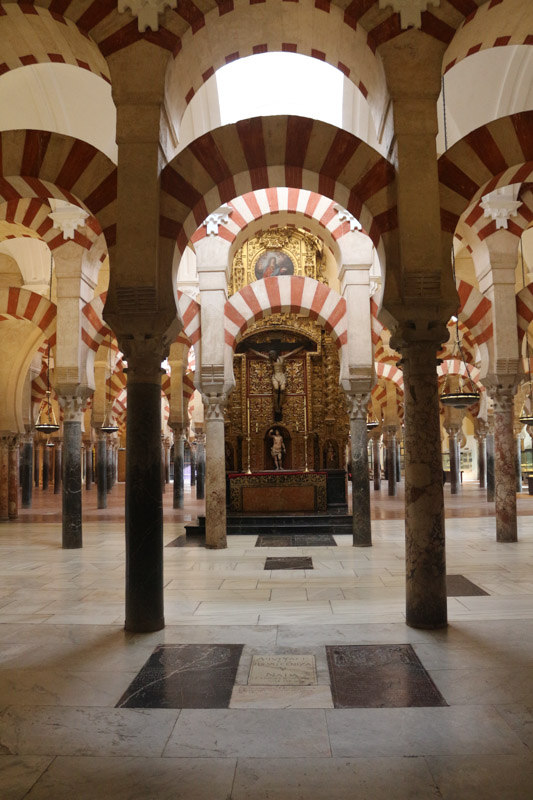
point(357, 405)
point(144, 356)
point(73, 407)
point(214, 407)
point(502, 397)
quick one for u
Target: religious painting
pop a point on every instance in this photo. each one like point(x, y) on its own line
point(272, 263)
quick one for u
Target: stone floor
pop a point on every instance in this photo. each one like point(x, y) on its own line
point(65, 663)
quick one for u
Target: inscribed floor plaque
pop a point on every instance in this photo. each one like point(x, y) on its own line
point(379, 676)
point(288, 562)
point(185, 676)
point(459, 586)
point(285, 670)
point(296, 540)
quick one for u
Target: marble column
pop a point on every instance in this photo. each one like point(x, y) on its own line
point(71, 521)
point(13, 478)
point(453, 433)
point(192, 463)
point(200, 467)
point(4, 478)
point(109, 465)
point(482, 461)
point(46, 466)
point(361, 525)
point(37, 464)
point(391, 461)
point(58, 466)
point(167, 460)
point(215, 475)
point(426, 603)
point(27, 470)
point(144, 502)
point(101, 470)
point(490, 467)
point(88, 466)
point(504, 465)
point(179, 444)
point(377, 462)
point(398, 463)
point(519, 464)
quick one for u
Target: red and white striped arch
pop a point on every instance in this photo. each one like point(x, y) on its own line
point(496, 154)
point(495, 23)
point(524, 310)
point(190, 315)
point(475, 312)
point(23, 304)
point(32, 34)
point(389, 372)
point(263, 152)
point(456, 366)
point(40, 164)
point(289, 294)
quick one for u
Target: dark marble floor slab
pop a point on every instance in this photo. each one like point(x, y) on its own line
point(379, 676)
point(296, 540)
point(187, 541)
point(288, 562)
point(459, 586)
point(185, 676)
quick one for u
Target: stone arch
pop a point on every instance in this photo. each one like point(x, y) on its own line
point(24, 304)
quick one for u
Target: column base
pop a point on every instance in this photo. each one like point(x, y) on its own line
point(216, 546)
point(427, 627)
point(145, 627)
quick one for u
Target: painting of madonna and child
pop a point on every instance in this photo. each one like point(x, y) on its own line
point(272, 263)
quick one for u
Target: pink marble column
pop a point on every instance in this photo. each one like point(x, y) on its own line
point(426, 603)
point(215, 473)
point(504, 465)
point(4, 478)
point(13, 478)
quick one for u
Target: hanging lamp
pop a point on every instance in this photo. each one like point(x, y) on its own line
point(108, 426)
point(526, 418)
point(371, 424)
point(467, 394)
point(46, 419)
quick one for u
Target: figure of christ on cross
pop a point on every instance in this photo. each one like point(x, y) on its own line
point(279, 377)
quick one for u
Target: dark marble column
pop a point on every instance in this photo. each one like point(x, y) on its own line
point(391, 461)
point(72, 418)
point(101, 470)
point(144, 503)
point(426, 603)
point(46, 466)
point(482, 461)
point(200, 468)
point(115, 462)
point(27, 470)
point(163, 488)
point(178, 494)
point(58, 466)
point(4, 478)
point(490, 467)
point(361, 525)
point(37, 464)
point(109, 465)
point(454, 463)
point(192, 463)
point(519, 464)
point(504, 465)
point(215, 473)
point(377, 462)
point(88, 466)
point(398, 463)
point(13, 478)
point(167, 460)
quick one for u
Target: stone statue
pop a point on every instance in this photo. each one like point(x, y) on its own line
point(279, 377)
point(278, 448)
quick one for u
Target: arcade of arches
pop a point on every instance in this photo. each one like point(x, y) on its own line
point(265, 315)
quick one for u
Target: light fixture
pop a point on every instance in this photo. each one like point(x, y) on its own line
point(371, 424)
point(526, 418)
point(108, 426)
point(46, 419)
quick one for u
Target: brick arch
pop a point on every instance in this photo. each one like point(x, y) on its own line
point(455, 366)
point(524, 310)
point(494, 155)
point(271, 151)
point(190, 314)
point(31, 215)
point(389, 372)
point(475, 312)
point(293, 294)
point(492, 24)
point(24, 304)
point(40, 164)
point(38, 35)
point(93, 328)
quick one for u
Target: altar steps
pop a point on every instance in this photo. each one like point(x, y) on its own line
point(278, 525)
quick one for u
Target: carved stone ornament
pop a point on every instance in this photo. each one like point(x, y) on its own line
point(357, 405)
point(501, 204)
point(218, 217)
point(73, 408)
point(214, 406)
point(68, 218)
point(146, 11)
point(410, 10)
point(344, 214)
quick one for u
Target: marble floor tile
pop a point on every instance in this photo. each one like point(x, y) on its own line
point(485, 686)
point(420, 731)
point(520, 718)
point(58, 688)
point(19, 773)
point(185, 676)
point(281, 697)
point(333, 779)
point(136, 779)
point(55, 730)
point(493, 777)
point(288, 562)
point(282, 670)
point(459, 586)
point(250, 733)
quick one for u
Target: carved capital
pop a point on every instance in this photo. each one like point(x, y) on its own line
point(410, 10)
point(501, 204)
point(358, 405)
point(214, 407)
point(73, 407)
point(144, 356)
point(502, 399)
point(218, 217)
point(146, 11)
point(67, 217)
point(345, 215)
